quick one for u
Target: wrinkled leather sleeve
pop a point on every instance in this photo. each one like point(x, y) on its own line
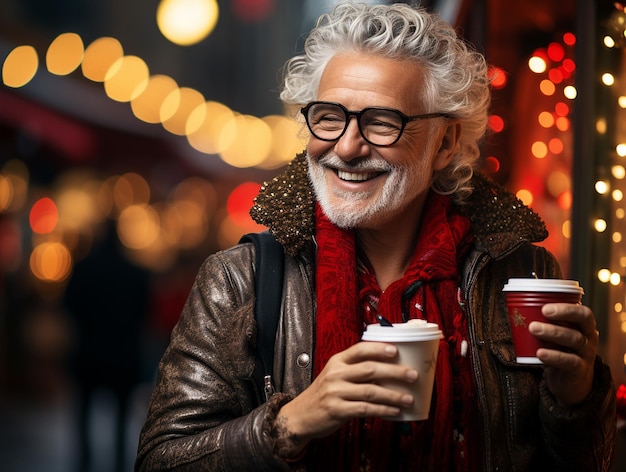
point(201, 414)
point(587, 432)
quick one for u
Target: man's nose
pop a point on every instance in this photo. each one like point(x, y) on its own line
point(352, 144)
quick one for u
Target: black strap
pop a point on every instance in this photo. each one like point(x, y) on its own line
point(268, 285)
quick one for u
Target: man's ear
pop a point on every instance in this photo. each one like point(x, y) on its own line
point(449, 143)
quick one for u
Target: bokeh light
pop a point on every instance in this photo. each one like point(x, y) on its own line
point(147, 105)
point(99, 56)
point(126, 79)
point(240, 201)
point(20, 66)
point(44, 216)
point(252, 11)
point(187, 22)
point(537, 64)
point(183, 101)
point(65, 54)
point(51, 262)
point(498, 77)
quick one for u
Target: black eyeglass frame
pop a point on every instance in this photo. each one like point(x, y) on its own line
point(403, 118)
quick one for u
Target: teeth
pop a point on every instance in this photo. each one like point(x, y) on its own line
point(353, 176)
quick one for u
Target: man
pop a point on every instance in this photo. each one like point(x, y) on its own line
point(383, 215)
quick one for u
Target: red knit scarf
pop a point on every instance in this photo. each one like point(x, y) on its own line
point(348, 298)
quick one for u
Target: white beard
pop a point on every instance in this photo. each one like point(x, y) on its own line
point(348, 209)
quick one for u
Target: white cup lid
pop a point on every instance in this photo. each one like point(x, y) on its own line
point(542, 285)
point(414, 330)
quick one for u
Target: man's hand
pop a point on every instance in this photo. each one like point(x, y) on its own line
point(346, 388)
point(569, 371)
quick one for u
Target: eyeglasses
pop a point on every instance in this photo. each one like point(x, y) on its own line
point(328, 121)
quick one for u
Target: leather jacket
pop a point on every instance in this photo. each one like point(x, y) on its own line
point(206, 412)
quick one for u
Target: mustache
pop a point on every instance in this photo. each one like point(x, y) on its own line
point(365, 164)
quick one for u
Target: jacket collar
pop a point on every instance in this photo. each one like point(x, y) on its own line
point(500, 221)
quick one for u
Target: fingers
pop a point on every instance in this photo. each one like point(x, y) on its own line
point(369, 362)
point(580, 316)
point(350, 386)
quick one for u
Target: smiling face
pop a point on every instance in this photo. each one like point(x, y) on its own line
point(360, 185)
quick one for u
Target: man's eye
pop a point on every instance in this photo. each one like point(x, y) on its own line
point(329, 118)
point(382, 124)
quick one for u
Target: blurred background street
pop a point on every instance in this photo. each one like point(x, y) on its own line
point(130, 150)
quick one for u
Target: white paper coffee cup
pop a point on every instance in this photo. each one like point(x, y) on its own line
point(418, 346)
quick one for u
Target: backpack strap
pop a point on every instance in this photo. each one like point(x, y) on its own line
point(268, 286)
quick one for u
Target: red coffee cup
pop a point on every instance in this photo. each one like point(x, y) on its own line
point(524, 299)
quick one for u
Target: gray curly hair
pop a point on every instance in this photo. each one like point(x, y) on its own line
point(457, 81)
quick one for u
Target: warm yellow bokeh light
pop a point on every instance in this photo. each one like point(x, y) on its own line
point(20, 66)
point(600, 225)
point(100, 55)
point(570, 92)
point(547, 87)
point(621, 149)
point(187, 22)
point(525, 196)
point(252, 145)
point(217, 129)
point(562, 123)
point(65, 54)
point(130, 189)
point(619, 172)
point(537, 64)
point(608, 79)
point(602, 187)
point(604, 275)
point(566, 229)
point(6, 193)
point(18, 175)
point(126, 79)
point(539, 149)
point(147, 106)
point(138, 226)
point(558, 182)
point(546, 119)
point(615, 279)
point(286, 141)
point(188, 100)
point(195, 224)
point(51, 262)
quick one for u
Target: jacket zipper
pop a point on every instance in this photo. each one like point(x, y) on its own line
point(268, 388)
point(473, 270)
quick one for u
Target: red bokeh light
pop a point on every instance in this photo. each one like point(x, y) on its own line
point(496, 123)
point(44, 216)
point(491, 165)
point(252, 11)
point(561, 109)
point(564, 200)
point(569, 39)
point(555, 75)
point(498, 77)
point(569, 65)
point(556, 52)
point(240, 201)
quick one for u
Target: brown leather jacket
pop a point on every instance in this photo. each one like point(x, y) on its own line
point(205, 414)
